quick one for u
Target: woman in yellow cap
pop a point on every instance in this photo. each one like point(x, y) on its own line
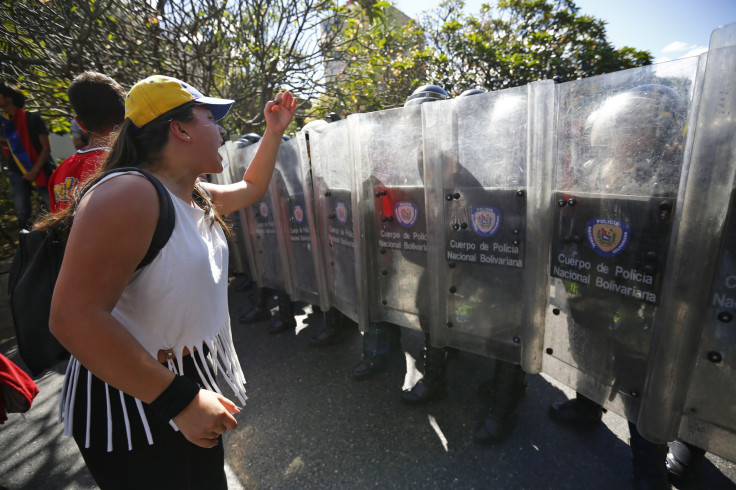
point(140, 395)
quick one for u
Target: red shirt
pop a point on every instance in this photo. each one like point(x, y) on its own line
point(72, 171)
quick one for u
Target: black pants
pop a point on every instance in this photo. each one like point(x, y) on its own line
point(170, 462)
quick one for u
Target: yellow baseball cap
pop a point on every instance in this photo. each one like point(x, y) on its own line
point(158, 94)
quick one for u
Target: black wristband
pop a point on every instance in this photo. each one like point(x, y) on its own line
point(175, 398)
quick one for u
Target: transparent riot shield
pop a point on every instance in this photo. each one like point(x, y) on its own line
point(620, 156)
point(334, 203)
point(709, 411)
point(475, 164)
point(691, 378)
point(238, 263)
point(240, 154)
point(295, 202)
point(392, 252)
point(270, 261)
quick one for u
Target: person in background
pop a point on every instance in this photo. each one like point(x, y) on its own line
point(99, 104)
point(638, 136)
point(25, 138)
point(79, 135)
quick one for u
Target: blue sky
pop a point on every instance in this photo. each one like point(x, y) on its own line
point(668, 29)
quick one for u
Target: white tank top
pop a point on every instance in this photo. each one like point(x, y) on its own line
point(178, 301)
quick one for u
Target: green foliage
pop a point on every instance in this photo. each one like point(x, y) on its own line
point(45, 44)
point(335, 57)
point(376, 64)
point(509, 43)
point(515, 42)
point(246, 51)
point(249, 50)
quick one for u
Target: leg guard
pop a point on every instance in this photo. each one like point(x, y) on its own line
point(285, 319)
point(377, 344)
point(506, 390)
point(260, 310)
point(648, 462)
point(333, 331)
point(434, 383)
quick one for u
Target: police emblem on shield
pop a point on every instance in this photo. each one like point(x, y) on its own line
point(341, 211)
point(263, 209)
point(607, 237)
point(485, 220)
point(299, 214)
point(406, 213)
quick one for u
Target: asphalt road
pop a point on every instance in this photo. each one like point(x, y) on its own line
point(308, 424)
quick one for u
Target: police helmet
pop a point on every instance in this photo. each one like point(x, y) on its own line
point(316, 125)
point(251, 138)
point(247, 139)
point(471, 91)
point(426, 93)
point(652, 114)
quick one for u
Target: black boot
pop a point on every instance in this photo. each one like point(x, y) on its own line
point(580, 411)
point(245, 284)
point(648, 462)
point(433, 385)
point(333, 331)
point(507, 389)
point(286, 319)
point(314, 316)
point(682, 460)
point(255, 314)
point(260, 311)
point(369, 367)
point(377, 344)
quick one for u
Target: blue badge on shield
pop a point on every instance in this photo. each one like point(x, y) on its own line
point(341, 211)
point(406, 213)
point(485, 221)
point(299, 214)
point(607, 237)
point(263, 209)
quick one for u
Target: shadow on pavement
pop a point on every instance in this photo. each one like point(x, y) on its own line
point(308, 424)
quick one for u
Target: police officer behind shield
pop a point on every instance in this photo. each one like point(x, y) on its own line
point(382, 337)
point(506, 387)
point(261, 311)
point(242, 142)
point(335, 324)
point(504, 390)
point(638, 133)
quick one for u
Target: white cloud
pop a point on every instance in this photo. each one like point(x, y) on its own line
point(677, 46)
point(696, 51)
point(679, 49)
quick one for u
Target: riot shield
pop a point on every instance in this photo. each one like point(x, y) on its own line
point(691, 378)
point(238, 263)
point(618, 165)
point(708, 414)
point(270, 261)
point(299, 231)
point(386, 150)
point(241, 153)
point(475, 161)
point(334, 203)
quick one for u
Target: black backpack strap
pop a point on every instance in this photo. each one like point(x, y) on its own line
point(166, 218)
